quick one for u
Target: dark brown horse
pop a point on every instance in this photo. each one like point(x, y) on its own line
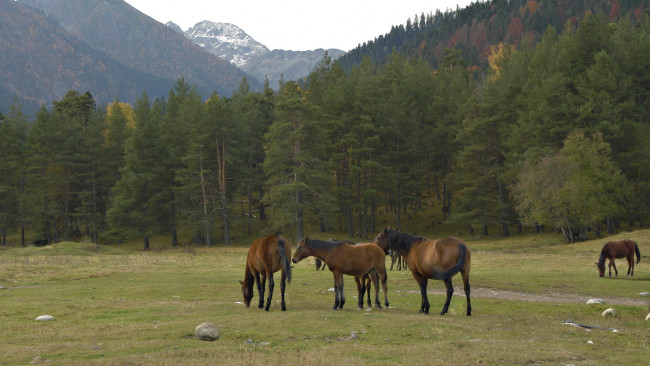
point(438, 259)
point(618, 249)
point(265, 257)
point(355, 260)
point(397, 258)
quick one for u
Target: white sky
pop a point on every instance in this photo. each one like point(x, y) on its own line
point(298, 25)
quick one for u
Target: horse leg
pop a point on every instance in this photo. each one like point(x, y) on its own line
point(282, 287)
point(383, 275)
point(342, 294)
point(392, 260)
point(271, 285)
point(260, 288)
point(613, 265)
point(450, 292)
point(361, 289)
point(422, 281)
point(372, 276)
point(368, 288)
point(465, 274)
point(337, 290)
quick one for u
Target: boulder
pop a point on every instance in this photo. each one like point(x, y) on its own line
point(207, 332)
point(595, 301)
point(609, 312)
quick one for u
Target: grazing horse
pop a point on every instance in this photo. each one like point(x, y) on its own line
point(438, 259)
point(355, 260)
point(265, 257)
point(618, 249)
point(396, 257)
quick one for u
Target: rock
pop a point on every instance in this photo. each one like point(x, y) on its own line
point(207, 332)
point(45, 318)
point(590, 342)
point(647, 317)
point(644, 294)
point(595, 301)
point(609, 312)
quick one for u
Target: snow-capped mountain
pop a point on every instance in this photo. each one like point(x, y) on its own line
point(226, 41)
point(235, 46)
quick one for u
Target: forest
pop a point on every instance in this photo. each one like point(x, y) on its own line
point(554, 136)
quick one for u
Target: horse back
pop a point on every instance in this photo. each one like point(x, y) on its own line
point(264, 253)
point(356, 259)
point(429, 256)
point(619, 249)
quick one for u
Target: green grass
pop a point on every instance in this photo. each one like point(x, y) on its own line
point(117, 305)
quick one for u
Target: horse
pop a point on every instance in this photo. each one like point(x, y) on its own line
point(342, 258)
point(396, 257)
point(437, 259)
point(265, 257)
point(320, 265)
point(618, 249)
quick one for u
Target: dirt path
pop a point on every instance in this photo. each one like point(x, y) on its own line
point(552, 297)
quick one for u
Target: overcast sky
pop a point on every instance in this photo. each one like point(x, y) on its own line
point(298, 25)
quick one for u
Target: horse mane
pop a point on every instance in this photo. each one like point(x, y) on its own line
point(322, 244)
point(601, 259)
point(401, 240)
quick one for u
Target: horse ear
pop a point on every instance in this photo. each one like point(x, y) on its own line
point(596, 263)
point(241, 283)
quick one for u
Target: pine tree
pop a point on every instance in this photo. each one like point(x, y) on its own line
point(13, 133)
point(142, 191)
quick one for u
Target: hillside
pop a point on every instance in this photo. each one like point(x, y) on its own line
point(40, 62)
point(480, 25)
point(140, 42)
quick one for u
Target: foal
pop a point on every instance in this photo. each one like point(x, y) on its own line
point(354, 260)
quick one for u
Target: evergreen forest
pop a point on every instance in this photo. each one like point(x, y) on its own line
point(550, 136)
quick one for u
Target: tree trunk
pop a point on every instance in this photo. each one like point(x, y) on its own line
point(206, 219)
point(300, 230)
point(221, 177)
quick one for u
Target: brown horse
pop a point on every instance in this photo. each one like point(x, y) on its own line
point(355, 260)
point(618, 249)
point(265, 257)
point(438, 259)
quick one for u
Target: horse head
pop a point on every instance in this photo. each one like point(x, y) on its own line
point(601, 266)
point(247, 290)
point(382, 240)
point(302, 251)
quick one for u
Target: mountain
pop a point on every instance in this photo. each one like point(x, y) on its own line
point(40, 62)
point(140, 42)
point(235, 46)
point(175, 27)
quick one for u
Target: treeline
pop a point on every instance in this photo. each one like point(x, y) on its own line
point(474, 28)
point(554, 136)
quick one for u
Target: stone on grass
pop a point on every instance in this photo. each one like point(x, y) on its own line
point(647, 317)
point(609, 312)
point(595, 301)
point(207, 332)
point(45, 318)
point(644, 294)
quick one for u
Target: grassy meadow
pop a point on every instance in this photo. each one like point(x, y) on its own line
point(117, 305)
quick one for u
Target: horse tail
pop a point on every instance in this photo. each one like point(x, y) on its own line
point(284, 260)
point(462, 256)
point(638, 253)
